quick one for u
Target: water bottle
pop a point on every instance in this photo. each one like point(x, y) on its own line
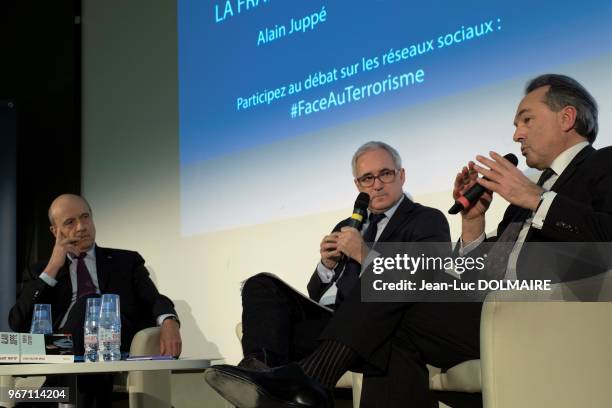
point(109, 329)
point(90, 329)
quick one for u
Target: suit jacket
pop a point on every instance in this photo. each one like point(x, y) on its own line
point(581, 212)
point(411, 222)
point(119, 271)
point(370, 333)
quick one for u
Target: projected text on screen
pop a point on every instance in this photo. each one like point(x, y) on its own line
point(255, 75)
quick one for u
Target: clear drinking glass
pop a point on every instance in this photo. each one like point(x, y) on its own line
point(41, 319)
point(109, 304)
point(90, 328)
point(92, 309)
point(109, 329)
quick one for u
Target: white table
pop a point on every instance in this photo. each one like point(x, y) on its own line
point(182, 364)
point(8, 372)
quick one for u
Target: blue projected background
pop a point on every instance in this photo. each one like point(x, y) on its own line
point(274, 96)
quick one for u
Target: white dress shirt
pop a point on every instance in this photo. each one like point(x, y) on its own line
point(536, 220)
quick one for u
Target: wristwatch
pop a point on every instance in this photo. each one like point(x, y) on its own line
point(173, 318)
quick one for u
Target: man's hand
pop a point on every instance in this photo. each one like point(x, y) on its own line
point(463, 182)
point(473, 217)
point(170, 343)
point(508, 181)
point(63, 246)
point(350, 243)
point(329, 250)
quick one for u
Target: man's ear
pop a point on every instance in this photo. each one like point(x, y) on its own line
point(53, 230)
point(567, 118)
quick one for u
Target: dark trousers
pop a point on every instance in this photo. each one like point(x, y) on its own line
point(278, 324)
point(439, 334)
point(394, 340)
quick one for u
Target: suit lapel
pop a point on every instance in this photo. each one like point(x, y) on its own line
point(571, 167)
point(63, 293)
point(565, 177)
point(104, 265)
point(398, 218)
point(64, 270)
point(64, 283)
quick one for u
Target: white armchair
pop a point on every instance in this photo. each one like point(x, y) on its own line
point(555, 353)
point(148, 389)
point(552, 351)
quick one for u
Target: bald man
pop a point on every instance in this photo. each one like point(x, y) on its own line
point(61, 283)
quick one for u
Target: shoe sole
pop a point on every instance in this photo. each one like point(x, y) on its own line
point(241, 392)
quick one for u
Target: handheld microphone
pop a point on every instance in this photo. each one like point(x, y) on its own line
point(360, 211)
point(473, 194)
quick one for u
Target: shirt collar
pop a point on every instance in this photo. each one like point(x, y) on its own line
point(389, 213)
point(91, 254)
point(565, 158)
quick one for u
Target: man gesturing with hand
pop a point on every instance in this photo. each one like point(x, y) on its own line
point(555, 125)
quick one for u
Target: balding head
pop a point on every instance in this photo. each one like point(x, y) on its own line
point(71, 217)
point(64, 200)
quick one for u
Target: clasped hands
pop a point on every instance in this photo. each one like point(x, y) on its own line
point(347, 241)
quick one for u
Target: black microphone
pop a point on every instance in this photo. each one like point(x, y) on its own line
point(360, 211)
point(474, 193)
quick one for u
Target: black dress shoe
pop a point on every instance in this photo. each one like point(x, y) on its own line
point(285, 386)
point(253, 363)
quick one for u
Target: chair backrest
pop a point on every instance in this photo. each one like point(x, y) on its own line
point(239, 331)
point(148, 389)
point(548, 349)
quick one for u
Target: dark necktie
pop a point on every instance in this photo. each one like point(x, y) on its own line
point(350, 276)
point(497, 259)
point(370, 233)
point(85, 285)
point(546, 174)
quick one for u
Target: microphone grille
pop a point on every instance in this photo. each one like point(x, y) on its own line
point(511, 158)
point(363, 201)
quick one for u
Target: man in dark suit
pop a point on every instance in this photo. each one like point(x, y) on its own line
point(556, 123)
point(79, 269)
point(381, 339)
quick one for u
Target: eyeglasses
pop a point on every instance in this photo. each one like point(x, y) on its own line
point(385, 176)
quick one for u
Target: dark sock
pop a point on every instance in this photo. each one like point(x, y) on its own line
point(328, 363)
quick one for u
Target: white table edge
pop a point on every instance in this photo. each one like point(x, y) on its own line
point(17, 370)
